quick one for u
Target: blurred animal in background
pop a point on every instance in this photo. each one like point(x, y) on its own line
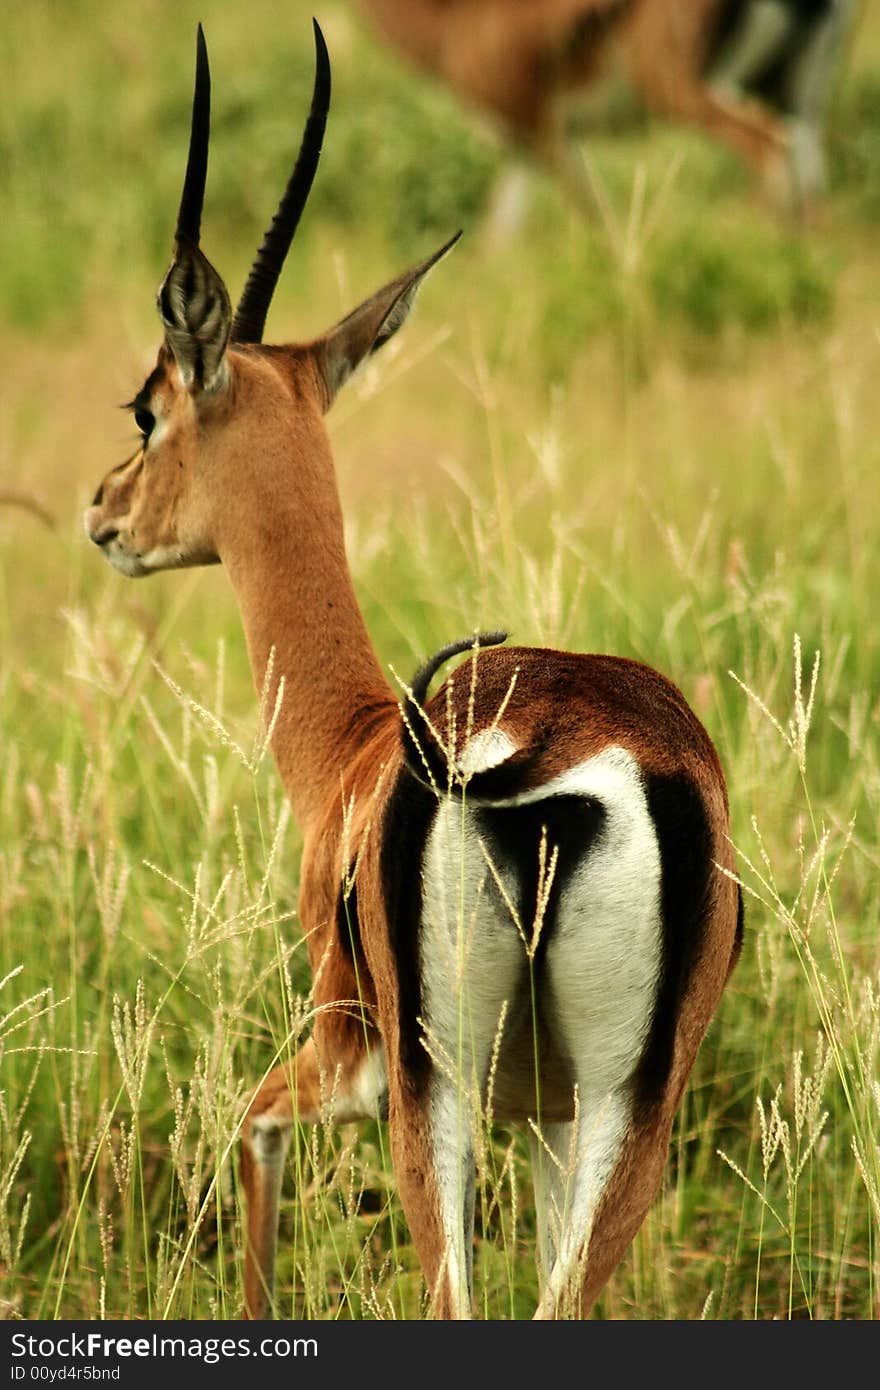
point(758, 75)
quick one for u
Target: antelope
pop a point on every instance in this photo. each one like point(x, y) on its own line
point(523, 883)
point(755, 74)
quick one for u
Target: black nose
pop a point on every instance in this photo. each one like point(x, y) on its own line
point(104, 537)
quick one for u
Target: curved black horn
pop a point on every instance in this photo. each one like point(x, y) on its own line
point(189, 217)
point(250, 316)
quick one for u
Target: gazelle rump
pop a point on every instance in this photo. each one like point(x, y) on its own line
point(756, 75)
point(517, 894)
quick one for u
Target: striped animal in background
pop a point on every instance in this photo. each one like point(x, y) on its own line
point(757, 75)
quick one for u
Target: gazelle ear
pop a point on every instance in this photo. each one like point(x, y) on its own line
point(195, 309)
point(371, 324)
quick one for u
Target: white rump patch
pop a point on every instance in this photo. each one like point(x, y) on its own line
point(598, 984)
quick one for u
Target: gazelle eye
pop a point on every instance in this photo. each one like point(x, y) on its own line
point(145, 420)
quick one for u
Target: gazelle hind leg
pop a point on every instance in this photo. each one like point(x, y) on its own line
point(434, 1166)
point(453, 1145)
point(600, 984)
point(550, 1148)
point(666, 53)
point(811, 89)
point(471, 960)
point(573, 1183)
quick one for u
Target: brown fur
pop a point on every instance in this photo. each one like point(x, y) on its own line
point(523, 61)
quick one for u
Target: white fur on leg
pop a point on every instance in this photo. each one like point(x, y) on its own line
point(601, 1129)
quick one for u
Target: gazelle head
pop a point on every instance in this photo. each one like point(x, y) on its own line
point(170, 503)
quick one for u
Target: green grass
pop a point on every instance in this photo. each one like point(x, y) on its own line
point(660, 443)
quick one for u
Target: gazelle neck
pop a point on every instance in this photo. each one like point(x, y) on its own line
point(283, 547)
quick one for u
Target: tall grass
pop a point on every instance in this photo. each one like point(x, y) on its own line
point(663, 444)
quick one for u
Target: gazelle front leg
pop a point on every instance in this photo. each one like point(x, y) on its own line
point(299, 1091)
point(265, 1140)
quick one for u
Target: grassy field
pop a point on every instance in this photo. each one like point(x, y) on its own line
point(658, 435)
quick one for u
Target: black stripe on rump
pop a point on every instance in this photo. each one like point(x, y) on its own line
point(348, 926)
point(685, 872)
point(512, 835)
point(409, 813)
point(739, 934)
